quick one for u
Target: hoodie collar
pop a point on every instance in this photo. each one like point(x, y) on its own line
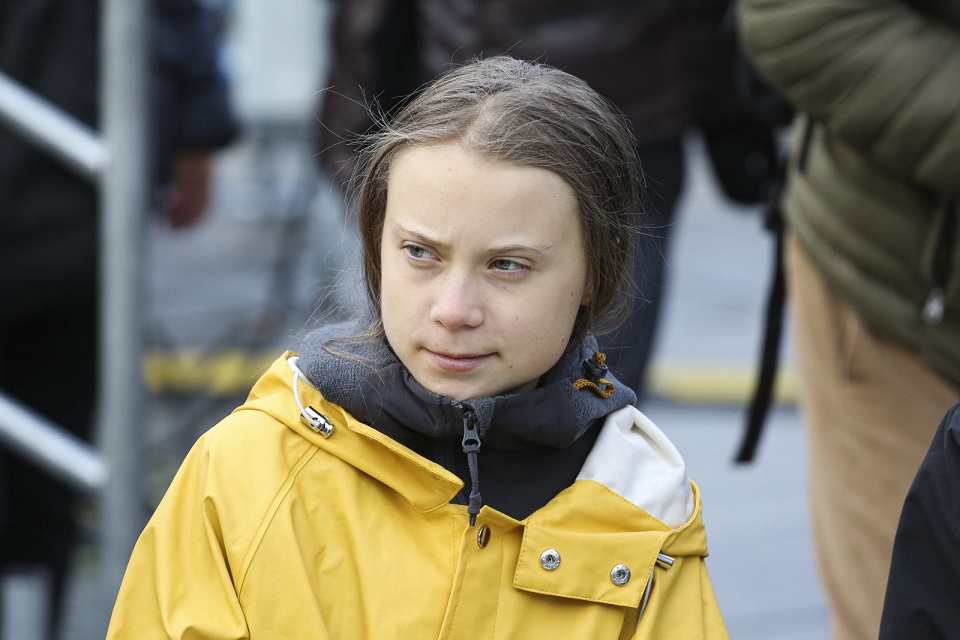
point(362, 375)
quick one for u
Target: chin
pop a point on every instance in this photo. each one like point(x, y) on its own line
point(458, 392)
point(454, 392)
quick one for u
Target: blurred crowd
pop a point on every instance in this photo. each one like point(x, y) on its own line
point(49, 235)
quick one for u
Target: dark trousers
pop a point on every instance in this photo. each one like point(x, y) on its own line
point(629, 348)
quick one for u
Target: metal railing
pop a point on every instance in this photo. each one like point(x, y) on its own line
point(116, 162)
point(49, 128)
point(79, 147)
point(59, 452)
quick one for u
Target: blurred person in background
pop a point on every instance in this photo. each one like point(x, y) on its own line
point(872, 209)
point(669, 65)
point(49, 227)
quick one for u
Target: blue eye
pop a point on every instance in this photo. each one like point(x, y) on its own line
point(502, 264)
point(417, 252)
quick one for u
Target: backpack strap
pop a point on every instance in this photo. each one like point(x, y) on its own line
point(762, 398)
point(772, 331)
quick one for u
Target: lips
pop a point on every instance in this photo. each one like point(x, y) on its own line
point(458, 362)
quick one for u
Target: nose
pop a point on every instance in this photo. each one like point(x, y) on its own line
point(456, 303)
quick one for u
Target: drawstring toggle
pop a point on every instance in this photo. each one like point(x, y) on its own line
point(594, 369)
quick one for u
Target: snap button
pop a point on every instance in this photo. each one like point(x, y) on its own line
point(550, 559)
point(620, 575)
point(483, 536)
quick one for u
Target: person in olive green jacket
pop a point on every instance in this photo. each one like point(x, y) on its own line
point(872, 207)
point(461, 464)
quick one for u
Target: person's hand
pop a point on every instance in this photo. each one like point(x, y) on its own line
point(191, 174)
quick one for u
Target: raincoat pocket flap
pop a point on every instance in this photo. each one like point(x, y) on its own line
point(611, 568)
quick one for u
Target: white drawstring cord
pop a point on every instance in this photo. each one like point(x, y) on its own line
point(663, 559)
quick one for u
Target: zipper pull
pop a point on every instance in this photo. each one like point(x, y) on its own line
point(932, 313)
point(471, 437)
point(471, 447)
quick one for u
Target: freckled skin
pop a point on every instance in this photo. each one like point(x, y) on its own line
point(484, 270)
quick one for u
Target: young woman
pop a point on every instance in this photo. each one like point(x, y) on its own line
point(459, 464)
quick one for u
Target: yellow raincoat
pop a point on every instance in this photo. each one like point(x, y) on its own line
point(271, 530)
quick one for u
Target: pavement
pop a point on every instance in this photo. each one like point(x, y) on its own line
point(225, 297)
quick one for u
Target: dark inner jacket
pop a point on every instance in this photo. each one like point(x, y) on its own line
point(533, 444)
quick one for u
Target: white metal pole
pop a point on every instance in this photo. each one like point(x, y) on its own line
point(51, 129)
point(59, 452)
point(125, 46)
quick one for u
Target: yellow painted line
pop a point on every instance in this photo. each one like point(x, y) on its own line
point(234, 371)
point(220, 374)
point(698, 383)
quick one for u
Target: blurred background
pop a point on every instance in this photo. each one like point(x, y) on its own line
point(275, 253)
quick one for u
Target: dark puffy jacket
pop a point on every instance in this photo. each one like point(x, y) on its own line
point(668, 64)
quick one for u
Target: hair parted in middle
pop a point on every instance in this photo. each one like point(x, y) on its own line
point(529, 114)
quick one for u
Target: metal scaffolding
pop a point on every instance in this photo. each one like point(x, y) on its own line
point(80, 148)
point(117, 163)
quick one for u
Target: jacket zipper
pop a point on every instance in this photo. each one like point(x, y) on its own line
point(933, 307)
point(471, 447)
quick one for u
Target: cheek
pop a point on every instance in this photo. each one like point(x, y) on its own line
point(388, 297)
point(572, 305)
point(556, 318)
point(395, 325)
point(388, 292)
point(581, 294)
point(589, 286)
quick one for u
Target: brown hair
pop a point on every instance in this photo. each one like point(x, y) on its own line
point(529, 114)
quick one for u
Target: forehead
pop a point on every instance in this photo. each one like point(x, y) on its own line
point(450, 185)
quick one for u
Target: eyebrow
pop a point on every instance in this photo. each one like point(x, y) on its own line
point(509, 248)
